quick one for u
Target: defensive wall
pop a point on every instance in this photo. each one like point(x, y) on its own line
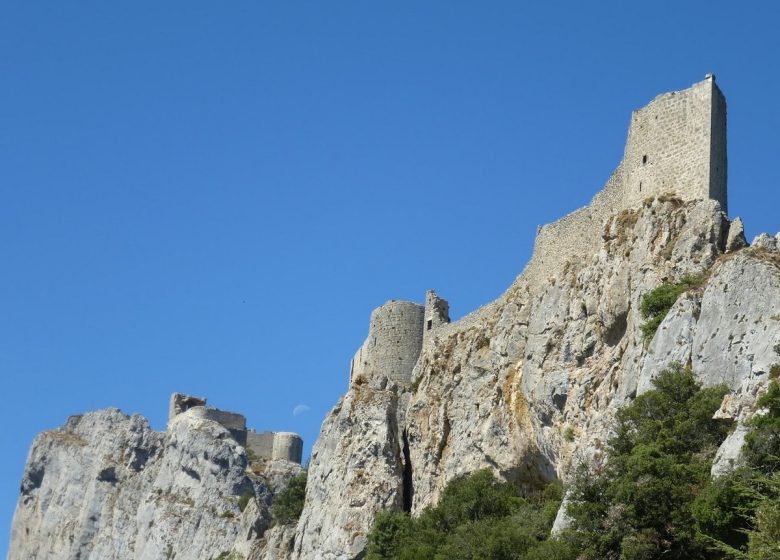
point(676, 145)
point(395, 338)
point(275, 445)
point(265, 445)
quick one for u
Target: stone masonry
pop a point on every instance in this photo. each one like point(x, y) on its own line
point(265, 445)
point(676, 146)
point(395, 338)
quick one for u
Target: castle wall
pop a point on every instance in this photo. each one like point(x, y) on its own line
point(181, 403)
point(234, 423)
point(261, 444)
point(275, 445)
point(288, 446)
point(670, 146)
point(719, 159)
point(437, 313)
point(394, 342)
point(676, 144)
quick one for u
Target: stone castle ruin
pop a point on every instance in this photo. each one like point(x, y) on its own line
point(265, 446)
point(676, 147)
point(396, 335)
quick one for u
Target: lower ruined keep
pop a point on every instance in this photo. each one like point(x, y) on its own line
point(527, 386)
point(265, 446)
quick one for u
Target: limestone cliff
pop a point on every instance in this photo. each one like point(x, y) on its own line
point(526, 386)
point(106, 486)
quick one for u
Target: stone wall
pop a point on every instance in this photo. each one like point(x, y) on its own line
point(275, 445)
point(235, 423)
point(676, 145)
point(261, 444)
point(394, 342)
point(288, 446)
point(671, 147)
point(181, 403)
point(265, 445)
point(437, 311)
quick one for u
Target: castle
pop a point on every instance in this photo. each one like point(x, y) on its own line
point(676, 146)
point(396, 335)
point(264, 446)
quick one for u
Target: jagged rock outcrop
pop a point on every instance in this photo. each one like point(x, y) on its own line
point(106, 486)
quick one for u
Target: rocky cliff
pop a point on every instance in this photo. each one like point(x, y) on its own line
point(107, 486)
point(526, 386)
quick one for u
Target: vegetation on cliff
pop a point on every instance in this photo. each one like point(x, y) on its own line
point(657, 303)
point(638, 504)
point(650, 497)
point(288, 504)
point(478, 517)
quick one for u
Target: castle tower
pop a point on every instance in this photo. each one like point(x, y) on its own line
point(677, 144)
point(437, 311)
point(394, 342)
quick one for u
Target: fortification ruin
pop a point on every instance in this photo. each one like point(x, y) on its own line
point(275, 445)
point(676, 146)
point(264, 446)
point(395, 339)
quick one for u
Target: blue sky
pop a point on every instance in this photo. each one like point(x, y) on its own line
point(212, 197)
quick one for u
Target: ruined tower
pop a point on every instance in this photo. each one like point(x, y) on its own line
point(677, 144)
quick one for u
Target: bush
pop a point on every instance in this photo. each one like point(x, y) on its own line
point(243, 501)
point(657, 303)
point(288, 504)
point(639, 505)
point(478, 517)
point(762, 444)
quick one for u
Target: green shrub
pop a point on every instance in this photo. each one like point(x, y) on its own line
point(764, 537)
point(762, 444)
point(288, 504)
point(657, 303)
point(639, 504)
point(478, 516)
point(243, 500)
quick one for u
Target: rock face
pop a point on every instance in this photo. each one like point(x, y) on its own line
point(105, 486)
point(526, 386)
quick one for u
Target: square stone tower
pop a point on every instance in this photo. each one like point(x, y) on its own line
point(677, 144)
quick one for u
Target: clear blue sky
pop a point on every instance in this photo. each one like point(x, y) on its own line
point(211, 197)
